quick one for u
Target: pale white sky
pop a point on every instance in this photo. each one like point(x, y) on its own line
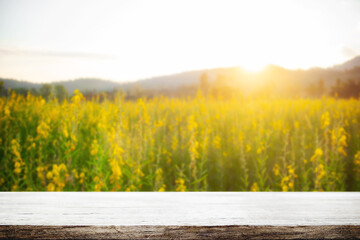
point(48, 40)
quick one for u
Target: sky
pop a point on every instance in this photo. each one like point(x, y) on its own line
point(50, 40)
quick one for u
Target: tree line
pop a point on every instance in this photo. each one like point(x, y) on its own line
point(46, 91)
point(224, 87)
point(341, 89)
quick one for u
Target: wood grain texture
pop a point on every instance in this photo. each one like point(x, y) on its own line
point(179, 232)
point(169, 215)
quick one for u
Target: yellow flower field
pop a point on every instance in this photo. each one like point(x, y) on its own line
point(162, 144)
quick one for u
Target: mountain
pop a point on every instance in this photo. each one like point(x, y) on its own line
point(88, 84)
point(248, 81)
point(12, 83)
point(82, 84)
point(352, 63)
point(273, 76)
point(175, 80)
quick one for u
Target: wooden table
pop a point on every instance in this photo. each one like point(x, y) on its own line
point(170, 215)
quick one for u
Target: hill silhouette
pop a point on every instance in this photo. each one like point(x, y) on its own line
point(82, 84)
point(272, 76)
point(352, 63)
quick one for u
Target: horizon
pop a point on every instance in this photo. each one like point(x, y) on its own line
point(131, 41)
point(178, 73)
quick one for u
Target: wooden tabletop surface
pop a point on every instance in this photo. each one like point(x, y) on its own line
point(142, 212)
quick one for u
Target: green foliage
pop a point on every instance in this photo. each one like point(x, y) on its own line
point(61, 93)
point(47, 91)
point(179, 145)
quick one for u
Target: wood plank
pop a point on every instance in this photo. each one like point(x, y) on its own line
point(173, 215)
point(179, 232)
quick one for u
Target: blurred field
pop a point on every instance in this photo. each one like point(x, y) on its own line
point(163, 144)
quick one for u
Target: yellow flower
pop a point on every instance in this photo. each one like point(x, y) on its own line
point(174, 143)
point(338, 139)
point(82, 177)
point(65, 132)
point(248, 148)
point(194, 154)
point(318, 153)
point(40, 172)
point(43, 130)
point(192, 125)
point(276, 169)
point(76, 99)
point(7, 111)
point(93, 152)
point(291, 170)
point(131, 188)
point(320, 172)
point(75, 173)
point(98, 187)
point(99, 184)
point(325, 120)
point(254, 187)
point(62, 166)
point(50, 187)
point(162, 189)
point(2, 180)
point(261, 148)
point(17, 168)
point(94, 148)
point(180, 185)
point(15, 149)
point(217, 142)
point(285, 180)
point(357, 162)
point(49, 175)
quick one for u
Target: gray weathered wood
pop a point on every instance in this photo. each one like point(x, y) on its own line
point(179, 232)
point(179, 215)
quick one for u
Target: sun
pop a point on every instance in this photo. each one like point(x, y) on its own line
point(253, 67)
